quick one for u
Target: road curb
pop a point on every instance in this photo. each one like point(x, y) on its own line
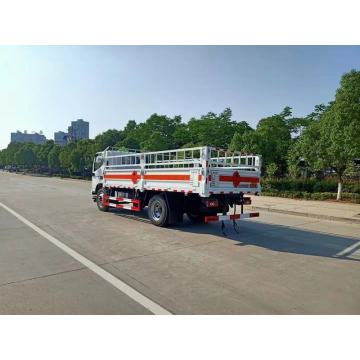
point(312, 215)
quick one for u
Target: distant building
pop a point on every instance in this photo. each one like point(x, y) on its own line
point(25, 137)
point(78, 130)
point(60, 138)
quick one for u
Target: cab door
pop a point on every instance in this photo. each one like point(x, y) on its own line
point(97, 171)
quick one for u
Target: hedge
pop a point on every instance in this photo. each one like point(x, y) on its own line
point(353, 197)
point(308, 185)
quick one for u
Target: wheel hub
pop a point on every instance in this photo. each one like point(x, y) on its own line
point(157, 211)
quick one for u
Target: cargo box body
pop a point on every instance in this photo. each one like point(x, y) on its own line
point(186, 170)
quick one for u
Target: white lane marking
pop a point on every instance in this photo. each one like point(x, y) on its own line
point(123, 287)
point(349, 249)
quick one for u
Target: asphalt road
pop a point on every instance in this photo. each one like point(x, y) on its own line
point(60, 255)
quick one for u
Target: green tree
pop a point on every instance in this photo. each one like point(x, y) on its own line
point(130, 127)
point(77, 161)
point(213, 130)
point(244, 140)
point(182, 136)
point(10, 151)
point(108, 138)
point(86, 150)
point(42, 152)
point(298, 124)
point(53, 158)
point(332, 139)
point(2, 158)
point(307, 148)
point(340, 127)
point(306, 145)
point(273, 140)
point(155, 142)
point(317, 113)
point(157, 128)
point(130, 142)
point(25, 156)
point(65, 157)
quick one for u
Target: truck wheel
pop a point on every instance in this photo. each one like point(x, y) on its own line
point(99, 202)
point(158, 211)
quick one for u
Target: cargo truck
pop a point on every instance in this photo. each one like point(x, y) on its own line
point(202, 182)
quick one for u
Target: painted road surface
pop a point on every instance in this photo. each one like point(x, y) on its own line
point(60, 255)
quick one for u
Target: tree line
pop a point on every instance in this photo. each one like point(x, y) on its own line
point(326, 140)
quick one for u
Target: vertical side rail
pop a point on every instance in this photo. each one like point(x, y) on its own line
point(258, 162)
point(142, 171)
point(205, 163)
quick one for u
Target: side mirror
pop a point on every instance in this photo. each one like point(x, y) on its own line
point(99, 160)
point(97, 163)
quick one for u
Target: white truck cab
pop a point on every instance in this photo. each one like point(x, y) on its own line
point(97, 171)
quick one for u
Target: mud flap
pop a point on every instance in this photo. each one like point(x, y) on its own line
point(175, 204)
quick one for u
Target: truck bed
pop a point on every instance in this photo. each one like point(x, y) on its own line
point(201, 170)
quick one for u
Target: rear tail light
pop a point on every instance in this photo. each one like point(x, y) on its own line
point(212, 203)
point(211, 218)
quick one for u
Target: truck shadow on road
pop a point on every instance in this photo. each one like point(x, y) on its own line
point(288, 239)
point(278, 238)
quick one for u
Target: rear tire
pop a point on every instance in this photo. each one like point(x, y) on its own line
point(158, 211)
point(99, 202)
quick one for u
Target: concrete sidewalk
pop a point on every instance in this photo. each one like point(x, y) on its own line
point(329, 210)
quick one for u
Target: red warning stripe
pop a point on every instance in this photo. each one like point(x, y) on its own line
point(166, 177)
point(132, 177)
point(122, 203)
point(105, 200)
point(242, 178)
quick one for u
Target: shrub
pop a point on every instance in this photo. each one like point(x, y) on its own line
point(351, 196)
point(293, 171)
point(307, 185)
point(271, 170)
point(325, 186)
point(307, 195)
point(288, 184)
point(313, 196)
point(323, 196)
point(352, 188)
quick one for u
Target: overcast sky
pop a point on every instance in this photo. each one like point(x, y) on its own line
point(46, 87)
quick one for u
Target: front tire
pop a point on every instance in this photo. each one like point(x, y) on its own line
point(158, 211)
point(99, 201)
